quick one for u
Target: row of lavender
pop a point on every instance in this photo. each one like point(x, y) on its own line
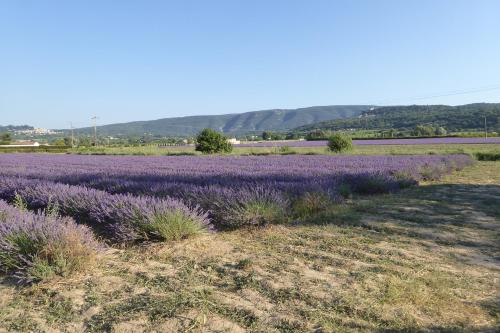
point(368, 142)
point(132, 198)
point(119, 217)
point(229, 171)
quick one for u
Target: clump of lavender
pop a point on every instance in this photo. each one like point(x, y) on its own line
point(141, 218)
point(247, 206)
point(119, 217)
point(35, 247)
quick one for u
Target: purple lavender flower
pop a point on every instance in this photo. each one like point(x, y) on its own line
point(121, 217)
point(122, 195)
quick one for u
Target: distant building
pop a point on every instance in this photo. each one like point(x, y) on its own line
point(234, 141)
point(22, 143)
point(37, 131)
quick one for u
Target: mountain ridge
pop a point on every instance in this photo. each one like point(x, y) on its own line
point(407, 117)
point(233, 124)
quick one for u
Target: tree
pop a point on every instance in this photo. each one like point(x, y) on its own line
point(440, 131)
point(339, 143)
point(317, 135)
point(292, 136)
point(421, 130)
point(209, 141)
point(267, 135)
point(277, 136)
point(59, 142)
point(84, 142)
point(5, 138)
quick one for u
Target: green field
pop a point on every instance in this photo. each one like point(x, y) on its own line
point(422, 260)
point(365, 150)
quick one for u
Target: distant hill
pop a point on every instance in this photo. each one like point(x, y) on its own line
point(242, 123)
point(11, 128)
point(453, 118)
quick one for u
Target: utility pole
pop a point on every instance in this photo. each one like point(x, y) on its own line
point(94, 118)
point(485, 129)
point(72, 135)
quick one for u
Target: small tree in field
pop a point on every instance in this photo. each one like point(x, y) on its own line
point(209, 141)
point(339, 143)
point(5, 138)
point(267, 135)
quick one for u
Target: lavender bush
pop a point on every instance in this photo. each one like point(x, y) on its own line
point(34, 246)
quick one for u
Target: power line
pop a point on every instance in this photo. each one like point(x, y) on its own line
point(442, 94)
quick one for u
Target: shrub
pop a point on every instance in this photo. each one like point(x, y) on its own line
point(339, 143)
point(285, 150)
point(233, 208)
point(310, 203)
point(404, 179)
point(256, 213)
point(209, 141)
point(487, 156)
point(432, 172)
point(5, 138)
point(267, 135)
point(345, 191)
point(371, 183)
point(174, 225)
point(35, 247)
point(317, 135)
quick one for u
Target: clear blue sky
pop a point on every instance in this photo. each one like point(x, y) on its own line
point(63, 61)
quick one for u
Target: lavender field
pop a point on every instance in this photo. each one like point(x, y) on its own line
point(130, 198)
point(423, 141)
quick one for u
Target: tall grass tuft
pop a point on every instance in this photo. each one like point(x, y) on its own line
point(174, 225)
point(310, 203)
point(246, 206)
point(257, 213)
point(19, 202)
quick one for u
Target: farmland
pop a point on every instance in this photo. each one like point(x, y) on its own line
point(123, 194)
point(286, 148)
point(249, 166)
point(233, 243)
point(333, 243)
point(364, 142)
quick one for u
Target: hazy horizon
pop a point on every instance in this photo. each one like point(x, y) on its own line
point(90, 123)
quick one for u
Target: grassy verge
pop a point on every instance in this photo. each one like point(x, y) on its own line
point(482, 151)
point(40, 149)
point(363, 150)
point(424, 260)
